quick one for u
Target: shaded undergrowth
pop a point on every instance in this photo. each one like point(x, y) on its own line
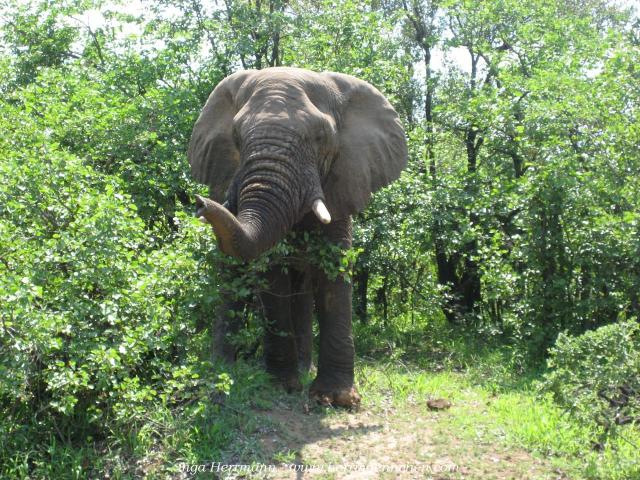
point(495, 401)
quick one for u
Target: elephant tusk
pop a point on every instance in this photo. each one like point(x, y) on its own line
point(320, 209)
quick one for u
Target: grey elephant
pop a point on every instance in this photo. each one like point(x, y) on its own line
point(283, 149)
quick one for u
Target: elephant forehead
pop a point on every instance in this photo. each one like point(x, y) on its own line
point(287, 105)
point(280, 103)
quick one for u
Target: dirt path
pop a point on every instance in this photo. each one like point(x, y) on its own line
point(381, 441)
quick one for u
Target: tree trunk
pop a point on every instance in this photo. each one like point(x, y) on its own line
point(382, 299)
point(361, 281)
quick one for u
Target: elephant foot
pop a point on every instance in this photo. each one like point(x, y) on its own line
point(290, 382)
point(347, 397)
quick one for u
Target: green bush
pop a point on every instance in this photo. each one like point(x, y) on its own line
point(103, 316)
point(596, 376)
point(100, 321)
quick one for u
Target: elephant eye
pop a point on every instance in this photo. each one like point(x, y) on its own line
point(235, 134)
point(319, 132)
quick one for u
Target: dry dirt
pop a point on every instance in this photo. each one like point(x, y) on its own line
point(388, 443)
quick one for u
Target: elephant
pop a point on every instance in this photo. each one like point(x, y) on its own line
point(285, 149)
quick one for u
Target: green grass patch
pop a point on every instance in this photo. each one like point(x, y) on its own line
point(492, 403)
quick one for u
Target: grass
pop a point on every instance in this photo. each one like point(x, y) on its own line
point(496, 398)
point(498, 427)
point(517, 417)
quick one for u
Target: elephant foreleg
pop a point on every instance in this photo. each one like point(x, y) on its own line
point(334, 382)
point(302, 315)
point(279, 342)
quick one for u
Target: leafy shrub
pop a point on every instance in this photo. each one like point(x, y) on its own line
point(103, 317)
point(100, 321)
point(596, 376)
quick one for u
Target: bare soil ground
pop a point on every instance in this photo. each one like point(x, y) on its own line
point(387, 442)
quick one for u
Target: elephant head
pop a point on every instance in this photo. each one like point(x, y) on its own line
point(282, 142)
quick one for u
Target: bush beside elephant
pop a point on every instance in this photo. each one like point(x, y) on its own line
point(284, 149)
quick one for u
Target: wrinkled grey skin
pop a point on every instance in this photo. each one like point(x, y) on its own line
point(270, 143)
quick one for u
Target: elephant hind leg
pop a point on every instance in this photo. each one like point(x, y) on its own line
point(226, 324)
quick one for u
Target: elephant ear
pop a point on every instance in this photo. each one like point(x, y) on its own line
point(213, 154)
point(372, 147)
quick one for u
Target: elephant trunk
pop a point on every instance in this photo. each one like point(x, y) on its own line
point(234, 238)
point(277, 184)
